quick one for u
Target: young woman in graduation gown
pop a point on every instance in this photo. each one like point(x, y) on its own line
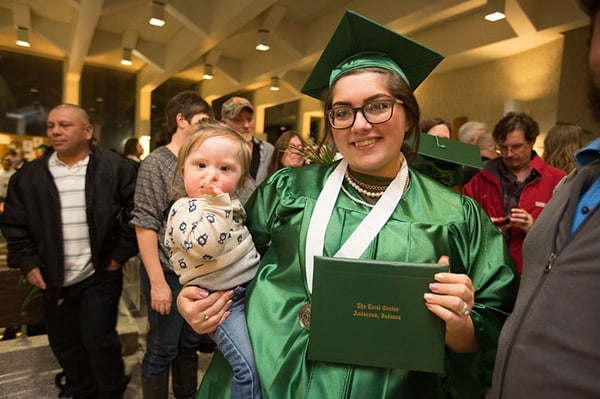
point(318, 210)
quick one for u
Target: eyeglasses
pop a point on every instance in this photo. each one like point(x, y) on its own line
point(515, 149)
point(376, 111)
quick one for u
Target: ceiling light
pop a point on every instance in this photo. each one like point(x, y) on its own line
point(274, 84)
point(263, 40)
point(208, 72)
point(495, 16)
point(158, 14)
point(23, 37)
point(494, 10)
point(126, 59)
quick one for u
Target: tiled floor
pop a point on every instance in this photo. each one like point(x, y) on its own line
point(28, 368)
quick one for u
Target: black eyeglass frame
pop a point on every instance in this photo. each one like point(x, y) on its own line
point(391, 101)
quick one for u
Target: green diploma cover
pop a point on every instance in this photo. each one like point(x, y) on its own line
point(372, 313)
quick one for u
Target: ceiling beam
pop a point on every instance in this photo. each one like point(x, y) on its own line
point(273, 18)
point(130, 38)
point(21, 16)
point(87, 19)
point(186, 48)
point(518, 19)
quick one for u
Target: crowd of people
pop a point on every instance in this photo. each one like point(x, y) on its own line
point(227, 227)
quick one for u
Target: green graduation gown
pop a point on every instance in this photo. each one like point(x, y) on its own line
point(429, 221)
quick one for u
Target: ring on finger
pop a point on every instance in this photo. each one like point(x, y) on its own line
point(206, 316)
point(465, 310)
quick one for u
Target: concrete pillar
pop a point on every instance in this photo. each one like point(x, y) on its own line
point(72, 88)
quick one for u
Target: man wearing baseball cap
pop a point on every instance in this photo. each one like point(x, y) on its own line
point(548, 347)
point(238, 114)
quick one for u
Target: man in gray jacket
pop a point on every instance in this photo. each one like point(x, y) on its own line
point(549, 345)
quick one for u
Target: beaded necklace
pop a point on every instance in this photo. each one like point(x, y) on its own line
point(366, 197)
point(364, 188)
point(357, 200)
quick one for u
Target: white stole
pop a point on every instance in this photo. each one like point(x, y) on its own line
point(366, 231)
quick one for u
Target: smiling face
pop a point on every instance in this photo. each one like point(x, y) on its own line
point(213, 166)
point(290, 156)
point(373, 149)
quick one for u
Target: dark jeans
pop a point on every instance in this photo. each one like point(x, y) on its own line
point(170, 340)
point(82, 332)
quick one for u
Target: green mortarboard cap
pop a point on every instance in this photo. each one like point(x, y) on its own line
point(451, 151)
point(356, 34)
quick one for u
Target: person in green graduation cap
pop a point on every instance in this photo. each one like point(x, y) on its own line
point(366, 76)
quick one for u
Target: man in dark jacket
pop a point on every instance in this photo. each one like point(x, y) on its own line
point(66, 222)
point(548, 347)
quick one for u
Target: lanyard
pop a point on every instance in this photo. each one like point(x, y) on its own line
point(366, 231)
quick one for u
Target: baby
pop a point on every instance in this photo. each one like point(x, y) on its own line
point(209, 243)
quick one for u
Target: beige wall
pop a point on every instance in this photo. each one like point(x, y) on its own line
point(479, 93)
point(575, 81)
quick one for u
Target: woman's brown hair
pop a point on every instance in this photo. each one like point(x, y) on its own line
point(561, 142)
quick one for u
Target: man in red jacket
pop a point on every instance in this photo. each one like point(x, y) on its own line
point(514, 188)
